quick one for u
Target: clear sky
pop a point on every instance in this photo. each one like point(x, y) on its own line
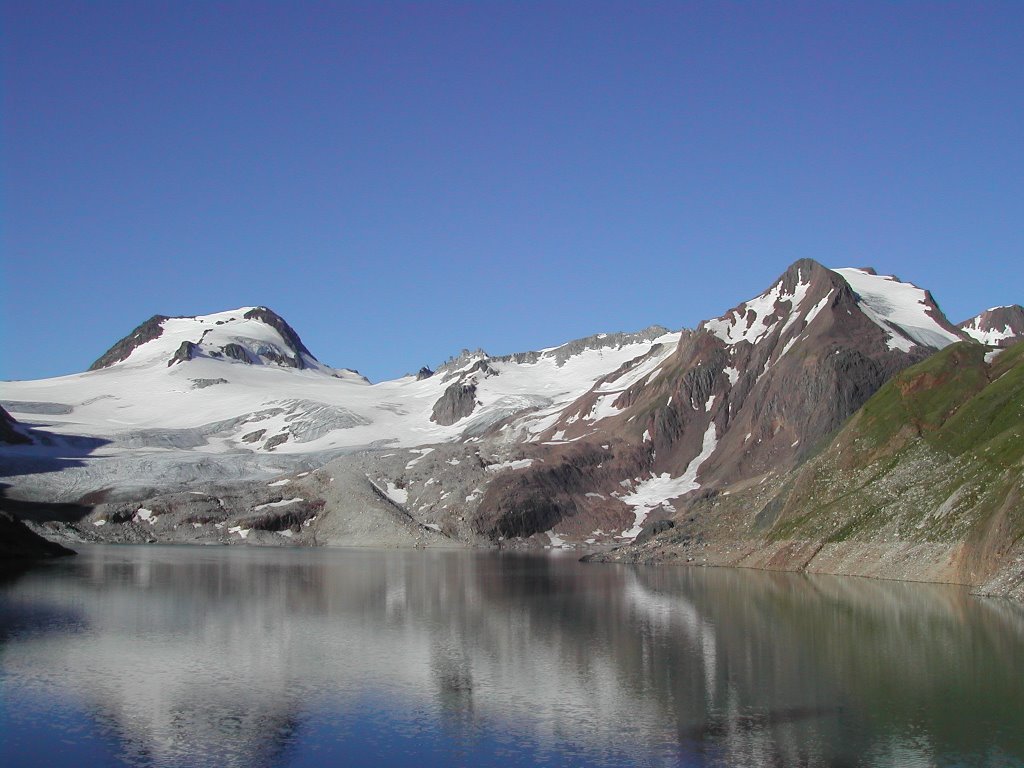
point(402, 180)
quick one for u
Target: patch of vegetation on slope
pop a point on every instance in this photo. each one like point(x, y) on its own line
point(935, 456)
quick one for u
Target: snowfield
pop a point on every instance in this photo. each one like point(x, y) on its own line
point(901, 309)
point(218, 417)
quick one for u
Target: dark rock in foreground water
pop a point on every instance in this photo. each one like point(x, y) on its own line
point(18, 543)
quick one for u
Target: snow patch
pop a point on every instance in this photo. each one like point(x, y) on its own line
point(786, 348)
point(145, 514)
point(422, 452)
point(557, 542)
point(517, 464)
point(757, 317)
point(655, 492)
point(396, 494)
point(813, 311)
point(604, 407)
point(989, 337)
point(282, 503)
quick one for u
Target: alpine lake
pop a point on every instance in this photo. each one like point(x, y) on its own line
point(218, 656)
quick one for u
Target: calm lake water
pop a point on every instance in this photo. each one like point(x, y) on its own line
point(181, 656)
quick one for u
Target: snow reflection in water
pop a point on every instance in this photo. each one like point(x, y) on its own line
point(203, 656)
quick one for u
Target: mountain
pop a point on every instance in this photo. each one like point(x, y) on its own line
point(251, 335)
point(747, 394)
point(225, 428)
point(236, 395)
point(924, 482)
point(997, 327)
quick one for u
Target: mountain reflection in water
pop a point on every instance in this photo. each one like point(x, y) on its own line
point(252, 657)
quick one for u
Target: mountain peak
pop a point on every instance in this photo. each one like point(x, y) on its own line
point(998, 326)
point(908, 314)
point(251, 335)
point(794, 294)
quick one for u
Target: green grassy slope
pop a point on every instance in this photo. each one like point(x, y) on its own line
point(935, 456)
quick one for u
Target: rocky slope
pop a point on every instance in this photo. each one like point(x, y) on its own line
point(924, 482)
point(745, 396)
point(998, 327)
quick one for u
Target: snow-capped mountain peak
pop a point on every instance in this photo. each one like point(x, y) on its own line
point(908, 314)
point(248, 335)
point(998, 326)
point(783, 302)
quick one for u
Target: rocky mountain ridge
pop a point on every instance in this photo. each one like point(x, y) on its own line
point(602, 441)
point(998, 326)
point(749, 393)
point(924, 482)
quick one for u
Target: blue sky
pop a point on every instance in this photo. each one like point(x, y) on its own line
point(401, 180)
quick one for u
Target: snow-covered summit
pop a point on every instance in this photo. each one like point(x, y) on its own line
point(248, 335)
point(241, 381)
point(907, 313)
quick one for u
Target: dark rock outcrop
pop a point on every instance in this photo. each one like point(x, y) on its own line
point(204, 383)
point(236, 352)
point(18, 543)
point(149, 330)
point(276, 440)
point(254, 437)
point(457, 402)
point(276, 322)
point(185, 352)
point(9, 432)
point(652, 529)
point(424, 373)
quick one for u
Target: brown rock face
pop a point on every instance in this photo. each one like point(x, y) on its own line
point(752, 392)
point(457, 402)
point(1000, 326)
point(555, 492)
